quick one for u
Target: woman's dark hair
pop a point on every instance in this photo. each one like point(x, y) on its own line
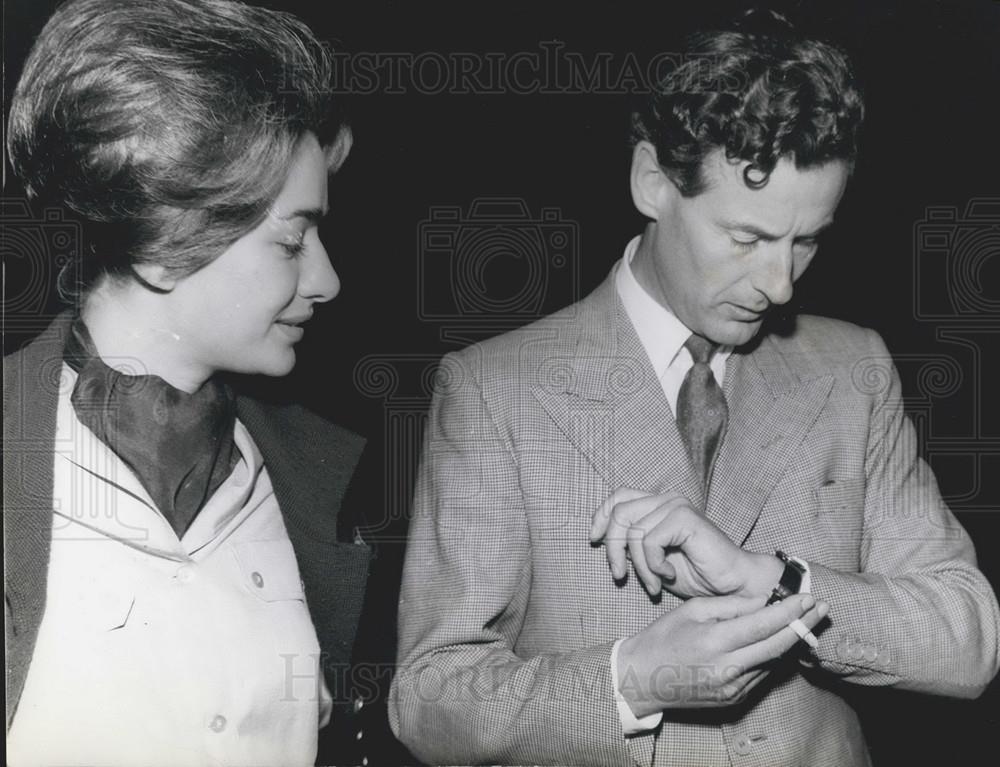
point(759, 92)
point(167, 126)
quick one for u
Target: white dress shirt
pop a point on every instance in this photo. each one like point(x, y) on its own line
point(661, 333)
point(662, 336)
point(155, 650)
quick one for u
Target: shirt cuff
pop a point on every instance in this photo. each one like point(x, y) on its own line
point(631, 725)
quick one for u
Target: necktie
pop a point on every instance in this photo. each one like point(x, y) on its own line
point(701, 409)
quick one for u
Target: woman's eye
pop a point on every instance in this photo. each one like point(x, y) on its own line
point(295, 247)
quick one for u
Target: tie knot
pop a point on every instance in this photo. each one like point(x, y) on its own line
point(700, 347)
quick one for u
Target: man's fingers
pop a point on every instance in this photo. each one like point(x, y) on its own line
point(647, 539)
point(802, 628)
point(665, 528)
point(723, 608)
point(650, 580)
point(769, 620)
point(743, 682)
point(743, 621)
point(778, 643)
point(620, 521)
point(599, 523)
point(623, 508)
point(610, 525)
point(616, 544)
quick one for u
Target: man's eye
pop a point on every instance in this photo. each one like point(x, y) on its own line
point(744, 245)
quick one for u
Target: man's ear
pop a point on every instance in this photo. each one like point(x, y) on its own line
point(651, 187)
point(154, 277)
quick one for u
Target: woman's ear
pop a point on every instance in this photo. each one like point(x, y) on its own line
point(154, 277)
point(337, 152)
point(651, 187)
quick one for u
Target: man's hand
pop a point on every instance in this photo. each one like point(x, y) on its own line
point(708, 651)
point(673, 546)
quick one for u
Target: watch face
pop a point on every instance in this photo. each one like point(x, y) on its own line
point(791, 578)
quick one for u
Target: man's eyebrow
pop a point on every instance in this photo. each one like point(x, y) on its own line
point(822, 228)
point(755, 230)
point(313, 215)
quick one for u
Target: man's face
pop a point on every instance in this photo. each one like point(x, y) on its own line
point(721, 259)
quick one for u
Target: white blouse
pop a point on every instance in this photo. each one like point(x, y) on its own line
point(155, 650)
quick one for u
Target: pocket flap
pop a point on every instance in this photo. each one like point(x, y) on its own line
point(841, 494)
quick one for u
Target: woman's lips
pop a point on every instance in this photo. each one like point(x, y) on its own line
point(291, 327)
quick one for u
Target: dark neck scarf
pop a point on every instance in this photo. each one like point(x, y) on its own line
point(179, 445)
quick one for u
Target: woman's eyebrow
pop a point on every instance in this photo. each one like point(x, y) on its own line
point(313, 215)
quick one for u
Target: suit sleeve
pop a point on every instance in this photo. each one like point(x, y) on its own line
point(462, 693)
point(919, 615)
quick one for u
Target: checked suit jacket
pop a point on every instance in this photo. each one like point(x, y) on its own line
point(508, 614)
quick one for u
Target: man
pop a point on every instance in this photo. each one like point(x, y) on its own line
point(739, 466)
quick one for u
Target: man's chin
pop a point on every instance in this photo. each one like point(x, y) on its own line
point(736, 333)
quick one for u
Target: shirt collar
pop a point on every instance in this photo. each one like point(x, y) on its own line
point(661, 333)
point(135, 521)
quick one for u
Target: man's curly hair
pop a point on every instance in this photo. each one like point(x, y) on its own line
point(760, 92)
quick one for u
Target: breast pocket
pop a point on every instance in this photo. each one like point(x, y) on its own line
point(268, 570)
point(840, 512)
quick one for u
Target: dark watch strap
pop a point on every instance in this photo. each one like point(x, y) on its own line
point(791, 579)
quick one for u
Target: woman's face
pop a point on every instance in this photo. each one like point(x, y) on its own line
point(243, 312)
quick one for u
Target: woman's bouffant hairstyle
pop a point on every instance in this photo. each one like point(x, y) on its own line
point(759, 92)
point(167, 126)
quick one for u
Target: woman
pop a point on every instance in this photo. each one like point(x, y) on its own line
point(173, 570)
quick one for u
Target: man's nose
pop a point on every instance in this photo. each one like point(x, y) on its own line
point(318, 281)
point(774, 278)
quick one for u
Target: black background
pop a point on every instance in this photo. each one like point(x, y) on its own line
point(932, 74)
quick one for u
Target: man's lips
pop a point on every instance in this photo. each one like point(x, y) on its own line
point(744, 314)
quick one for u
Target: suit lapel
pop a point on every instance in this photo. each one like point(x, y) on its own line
point(611, 407)
point(770, 411)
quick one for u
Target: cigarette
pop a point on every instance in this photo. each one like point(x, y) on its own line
point(804, 634)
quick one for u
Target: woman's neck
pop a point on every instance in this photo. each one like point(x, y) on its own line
point(133, 333)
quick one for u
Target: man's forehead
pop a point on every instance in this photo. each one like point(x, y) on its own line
point(791, 196)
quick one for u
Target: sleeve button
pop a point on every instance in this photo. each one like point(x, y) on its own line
point(742, 746)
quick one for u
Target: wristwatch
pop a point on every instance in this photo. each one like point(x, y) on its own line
point(791, 578)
